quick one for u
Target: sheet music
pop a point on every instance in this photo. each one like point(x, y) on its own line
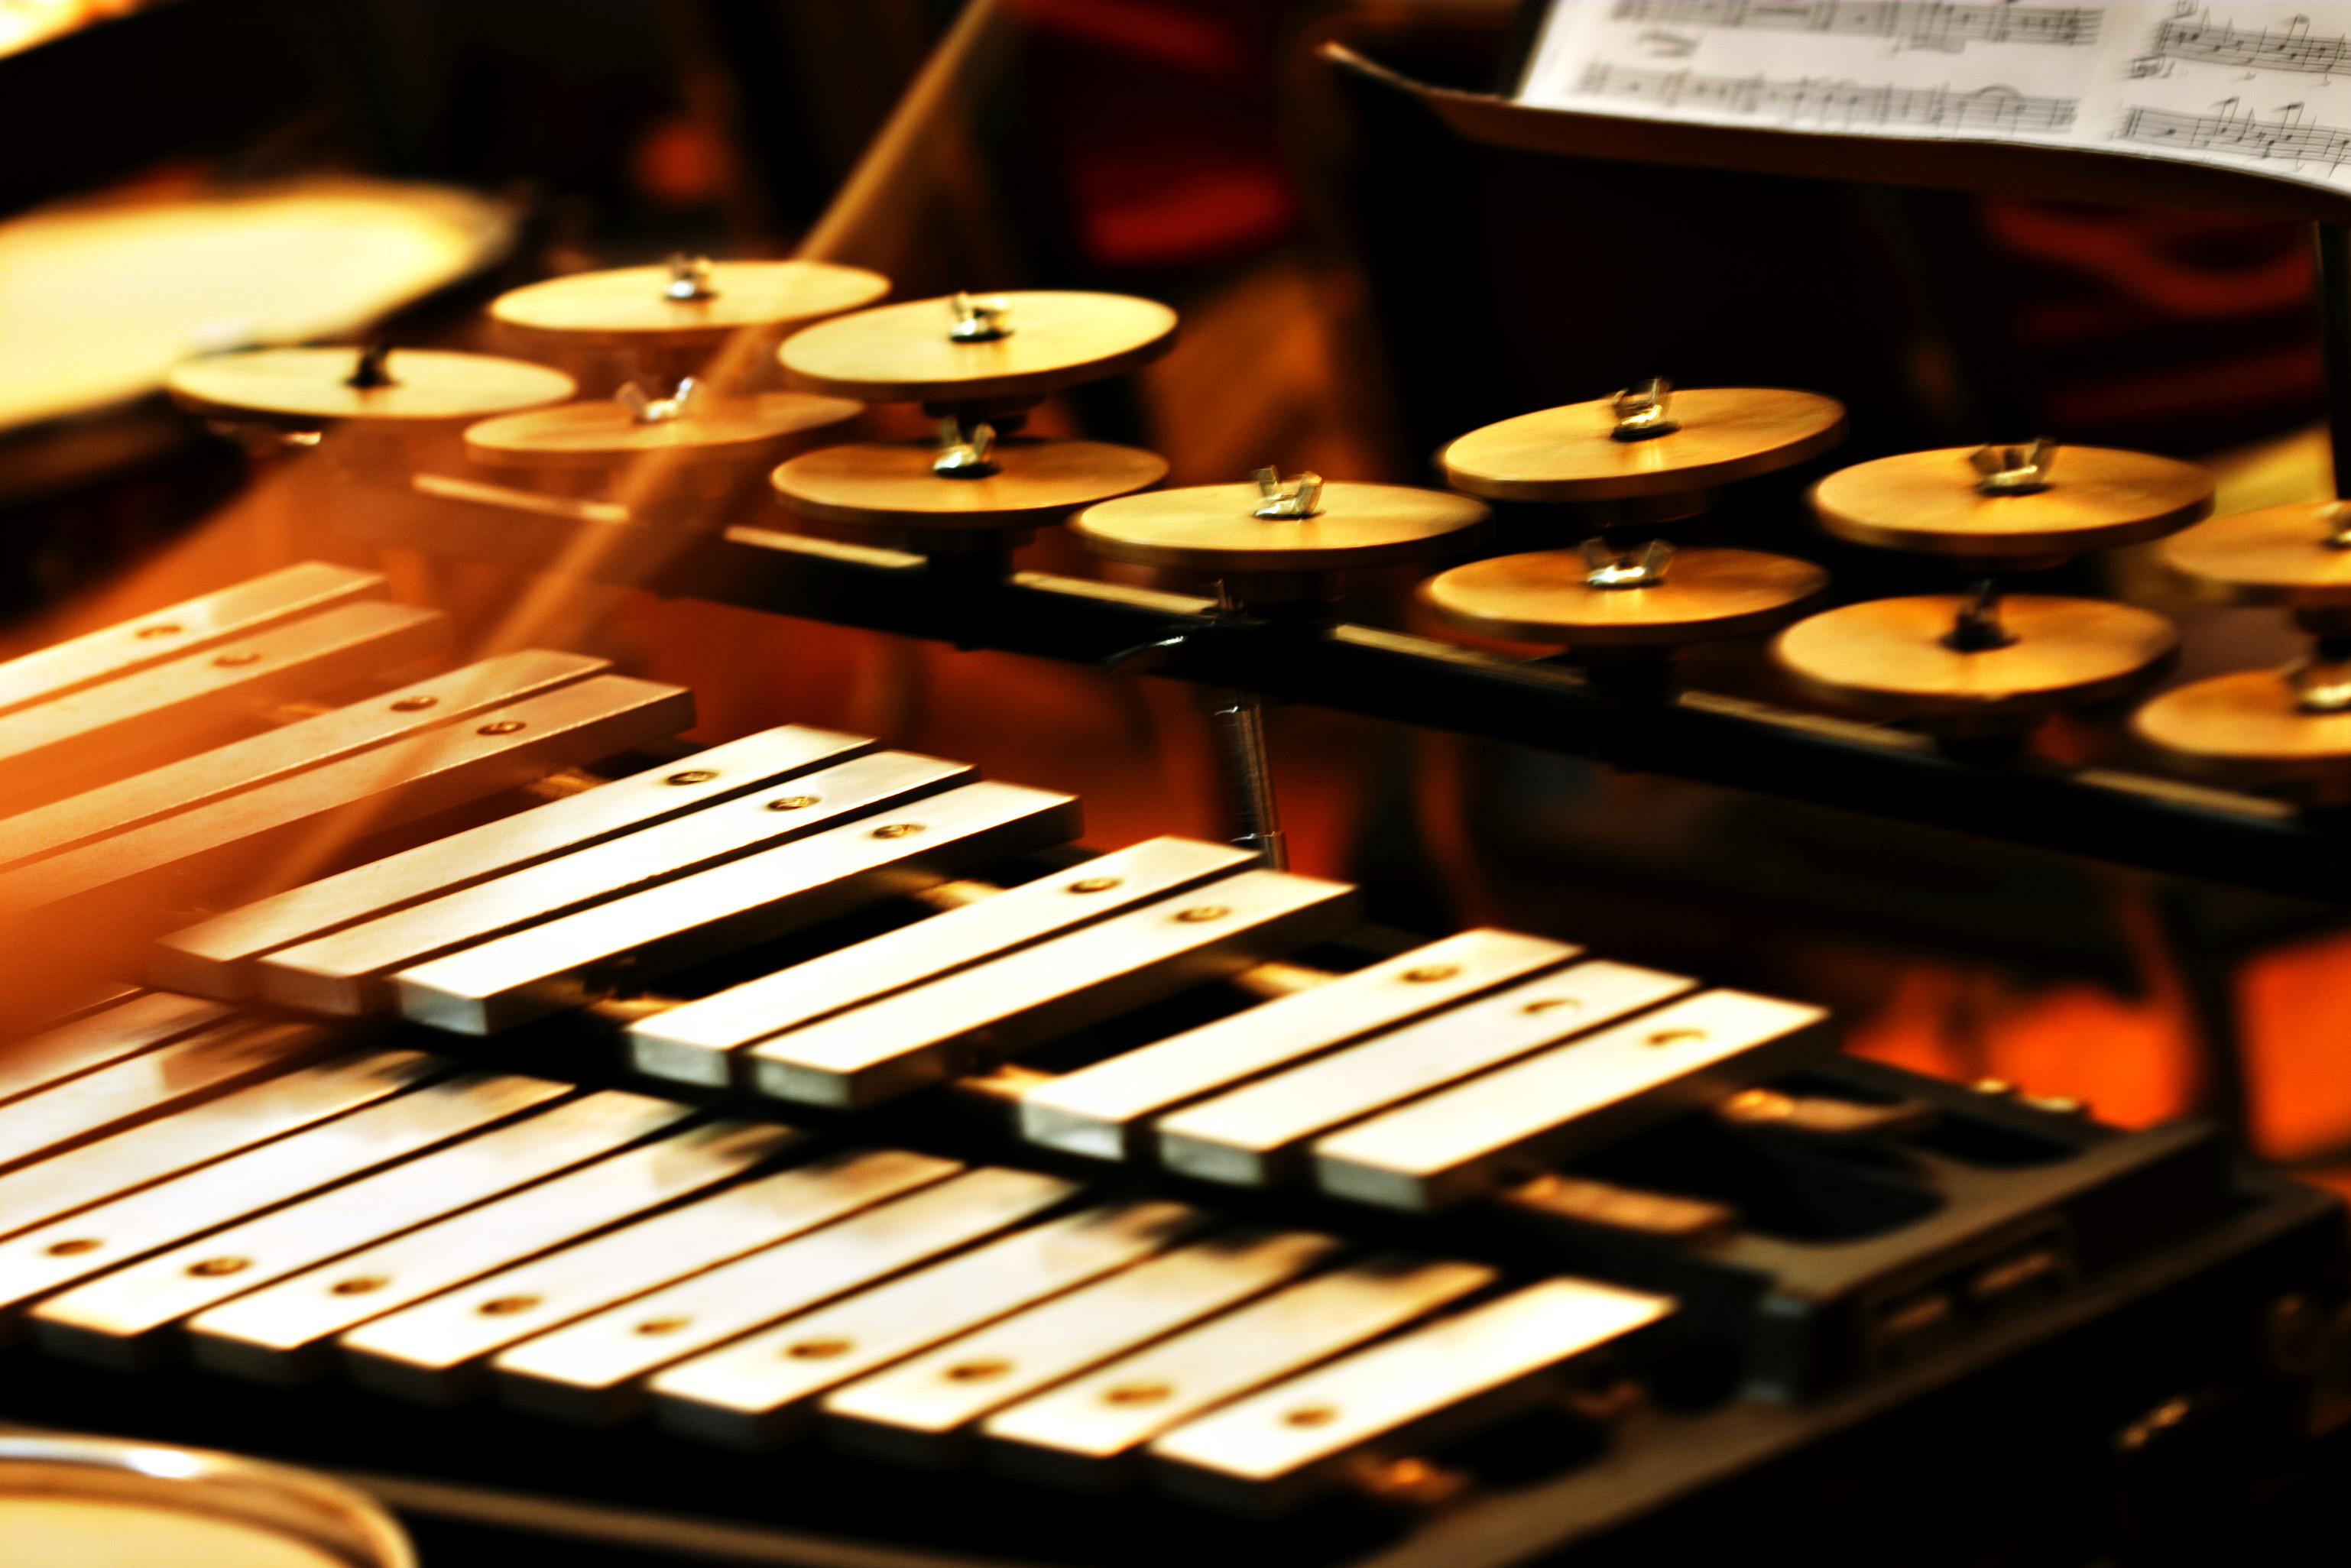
point(2261, 87)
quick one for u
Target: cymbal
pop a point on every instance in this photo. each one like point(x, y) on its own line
point(313, 384)
point(600, 433)
point(627, 307)
point(2096, 498)
point(1888, 655)
point(1052, 338)
point(1212, 528)
point(1570, 453)
point(2247, 726)
point(889, 484)
point(1543, 597)
point(2278, 555)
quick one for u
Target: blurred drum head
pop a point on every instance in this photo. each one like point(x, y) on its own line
point(88, 1502)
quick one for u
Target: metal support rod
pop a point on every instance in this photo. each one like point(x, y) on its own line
point(2332, 245)
point(1239, 720)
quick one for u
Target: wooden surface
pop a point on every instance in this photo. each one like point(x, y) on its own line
point(625, 308)
point(599, 433)
point(1999, 168)
point(311, 384)
point(1927, 501)
point(1209, 528)
point(1887, 655)
point(101, 299)
point(2244, 726)
point(902, 354)
point(890, 483)
point(1542, 597)
point(1570, 453)
point(2277, 555)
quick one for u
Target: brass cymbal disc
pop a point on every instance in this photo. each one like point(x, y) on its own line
point(902, 354)
point(310, 384)
point(2245, 726)
point(1927, 501)
point(1570, 453)
point(1888, 655)
point(889, 484)
point(2278, 555)
point(1544, 598)
point(625, 308)
point(1209, 528)
point(599, 433)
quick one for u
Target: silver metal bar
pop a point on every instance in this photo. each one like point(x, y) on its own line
point(1088, 1435)
point(1239, 719)
point(1104, 1111)
point(347, 973)
point(55, 1256)
point(976, 1017)
point(180, 629)
point(760, 1391)
point(1276, 1448)
point(592, 1373)
point(55, 747)
point(696, 1043)
point(217, 958)
point(185, 1073)
point(1258, 1134)
point(286, 833)
point(125, 1029)
point(922, 1412)
point(543, 969)
point(113, 1166)
point(121, 1319)
point(282, 1335)
point(291, 748)
point(437, 1351)
point(1564, 1101)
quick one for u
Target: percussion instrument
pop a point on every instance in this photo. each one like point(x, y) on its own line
point(1982, 668)
point(797, 1090)
point(1629, 465)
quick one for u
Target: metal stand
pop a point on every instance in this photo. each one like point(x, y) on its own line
point(2332, 245)
point(1239, 720)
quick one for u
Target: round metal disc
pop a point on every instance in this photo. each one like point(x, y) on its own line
point(889, 484)
point(625, 308)
point(1889, 654)
point(1570, 453)
point(310, 384)
point(2278, 555)
point(2245, 726)
point(1928, 501)
point(1209, 528)
point(902, 354)
point(600, 433)
point(1544, 598)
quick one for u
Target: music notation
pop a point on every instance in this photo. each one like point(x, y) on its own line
point(2254, 49)
point(1830, 102)
point(1911, 24)
point(2242, 135)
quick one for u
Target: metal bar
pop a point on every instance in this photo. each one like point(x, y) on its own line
point(1238, 718)
point(291, 748)
point(124, 1029)
point(2125, 817)
point(280, 1335)
point(217, 959)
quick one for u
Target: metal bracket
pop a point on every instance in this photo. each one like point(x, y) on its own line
point(646, 409)
point(2338, 523)
point(966, 452)
point(1644, 411)
point(2321, 685)
point(1977, 628)
point(2014, 470)
point(1279, 502)
point(1612, 568)
point(372, 369)
point(978, 318)
point(689, 278)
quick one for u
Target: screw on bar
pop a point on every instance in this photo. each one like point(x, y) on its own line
point(689, 278)
point(1977, 628)
point(372, 369)
point(646, 409)
point(2014, 470)
point(1612, 568)
point(1280, 501)
point(978, 318)
point(966, 451)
